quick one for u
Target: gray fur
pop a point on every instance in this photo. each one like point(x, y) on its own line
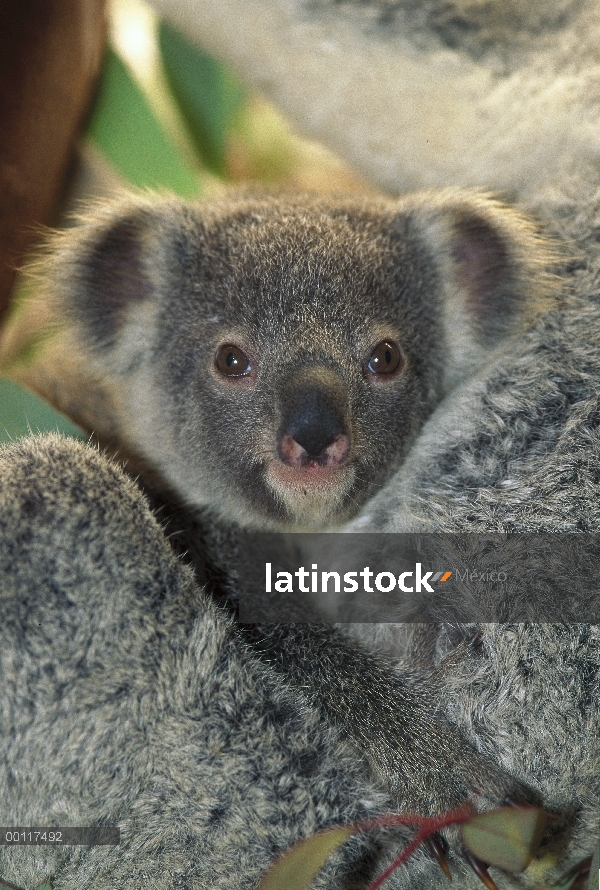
point(517, 449)
point(128, 699)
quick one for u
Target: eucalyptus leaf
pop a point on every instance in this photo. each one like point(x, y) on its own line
point(23, 413)
point(208, 94)
point(507, 838)
point(125, 129)
point(296, 869)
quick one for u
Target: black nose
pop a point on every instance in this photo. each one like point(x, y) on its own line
point(314, 421)
point(313, 428)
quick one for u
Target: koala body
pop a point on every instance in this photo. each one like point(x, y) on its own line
point(273, 361)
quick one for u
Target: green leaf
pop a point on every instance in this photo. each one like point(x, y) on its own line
point(507, 838)
point(124, 127)
point(594, 878)
point(22, 412)
point(296, 869)
point(47, 885)
point(210, 97)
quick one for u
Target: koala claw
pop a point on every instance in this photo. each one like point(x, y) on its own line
point(480, 869)
point(436, 844)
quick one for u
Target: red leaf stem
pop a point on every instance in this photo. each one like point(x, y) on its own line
point(427, 825)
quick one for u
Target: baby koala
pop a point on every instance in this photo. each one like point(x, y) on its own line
point(272, 360)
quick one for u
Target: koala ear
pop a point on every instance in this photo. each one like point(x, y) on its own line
point(500, 266)
point(111, 277)
point(99, 271)
point(494, 270)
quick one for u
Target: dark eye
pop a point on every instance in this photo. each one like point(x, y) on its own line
point(385, 358)
point(231, 361)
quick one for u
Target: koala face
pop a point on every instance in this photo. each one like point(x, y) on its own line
point(275, 358)
point(289, 370)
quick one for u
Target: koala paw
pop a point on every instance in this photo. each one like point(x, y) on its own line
point(435, 771)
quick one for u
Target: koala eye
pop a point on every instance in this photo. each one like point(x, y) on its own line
point(232, 362)
point(385, 358)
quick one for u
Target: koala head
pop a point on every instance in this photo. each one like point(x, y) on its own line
point(274, 358)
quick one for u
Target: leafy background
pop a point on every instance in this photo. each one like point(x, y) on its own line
point(168, 117)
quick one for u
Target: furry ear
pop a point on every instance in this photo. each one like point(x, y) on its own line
point(485, 268)
point(501, 264)
point(494, 268)
point(104, 274)
point(112, 276)
point(98, 270)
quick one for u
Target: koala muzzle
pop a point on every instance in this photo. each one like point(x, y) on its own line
point(313, 429)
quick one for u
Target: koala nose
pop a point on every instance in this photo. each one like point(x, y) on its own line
point(313, 429)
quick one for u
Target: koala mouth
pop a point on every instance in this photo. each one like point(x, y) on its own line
point(311, 466)
point(312, 474)
point(311, 493)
